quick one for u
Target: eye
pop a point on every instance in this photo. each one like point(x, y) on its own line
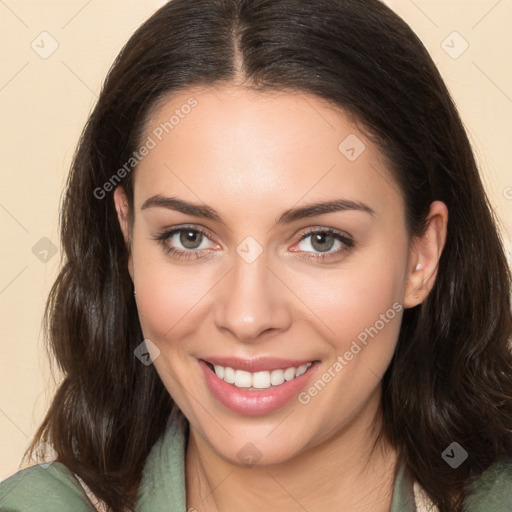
point(190, 238)
point(323, 240)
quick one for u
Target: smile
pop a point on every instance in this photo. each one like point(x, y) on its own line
point(259, 380)
point(262, 386)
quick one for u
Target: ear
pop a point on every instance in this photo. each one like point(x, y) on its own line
point(123, 215)
point(424, 256)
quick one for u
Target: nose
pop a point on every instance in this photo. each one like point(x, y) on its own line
point(252, 302)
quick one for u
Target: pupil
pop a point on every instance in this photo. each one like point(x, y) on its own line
point(321, 238)
point(188, 239)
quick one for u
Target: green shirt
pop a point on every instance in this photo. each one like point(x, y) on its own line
point(55, 489)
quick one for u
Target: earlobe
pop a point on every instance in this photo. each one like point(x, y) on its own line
point(424, 256)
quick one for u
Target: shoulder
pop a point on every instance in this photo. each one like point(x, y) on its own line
point(43, 488)
point(492, 491)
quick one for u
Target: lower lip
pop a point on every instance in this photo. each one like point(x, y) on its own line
point(254, 403)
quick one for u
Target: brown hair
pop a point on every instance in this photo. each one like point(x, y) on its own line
point(450, 377)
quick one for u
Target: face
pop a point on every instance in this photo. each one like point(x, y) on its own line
point(242, 285)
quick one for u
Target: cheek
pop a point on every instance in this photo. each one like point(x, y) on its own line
point(348, 301)
point(169, 296)
point(363, 313)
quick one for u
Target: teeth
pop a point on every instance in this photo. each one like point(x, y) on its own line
point(243, 379)
point(301, 370)
point(276, 377)
point(259, 380)
point(289, 373)
point(229, 375)
point(219, 370)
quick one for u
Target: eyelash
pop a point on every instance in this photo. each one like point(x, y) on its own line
point(163, 236)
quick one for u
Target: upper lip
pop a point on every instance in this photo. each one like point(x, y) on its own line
point(256, 365)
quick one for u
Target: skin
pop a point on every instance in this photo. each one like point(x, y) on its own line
point(251, 156)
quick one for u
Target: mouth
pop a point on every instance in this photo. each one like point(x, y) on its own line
point(254, 381)
point(270, 385)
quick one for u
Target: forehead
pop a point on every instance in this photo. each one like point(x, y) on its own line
point(234, 145)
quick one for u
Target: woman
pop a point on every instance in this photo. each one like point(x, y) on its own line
point(284, 287)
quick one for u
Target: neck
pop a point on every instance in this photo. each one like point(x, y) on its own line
point(352, 470)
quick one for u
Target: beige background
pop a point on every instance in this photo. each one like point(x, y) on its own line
point(45, 102)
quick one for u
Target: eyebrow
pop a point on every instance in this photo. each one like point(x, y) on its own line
point(289, 216)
